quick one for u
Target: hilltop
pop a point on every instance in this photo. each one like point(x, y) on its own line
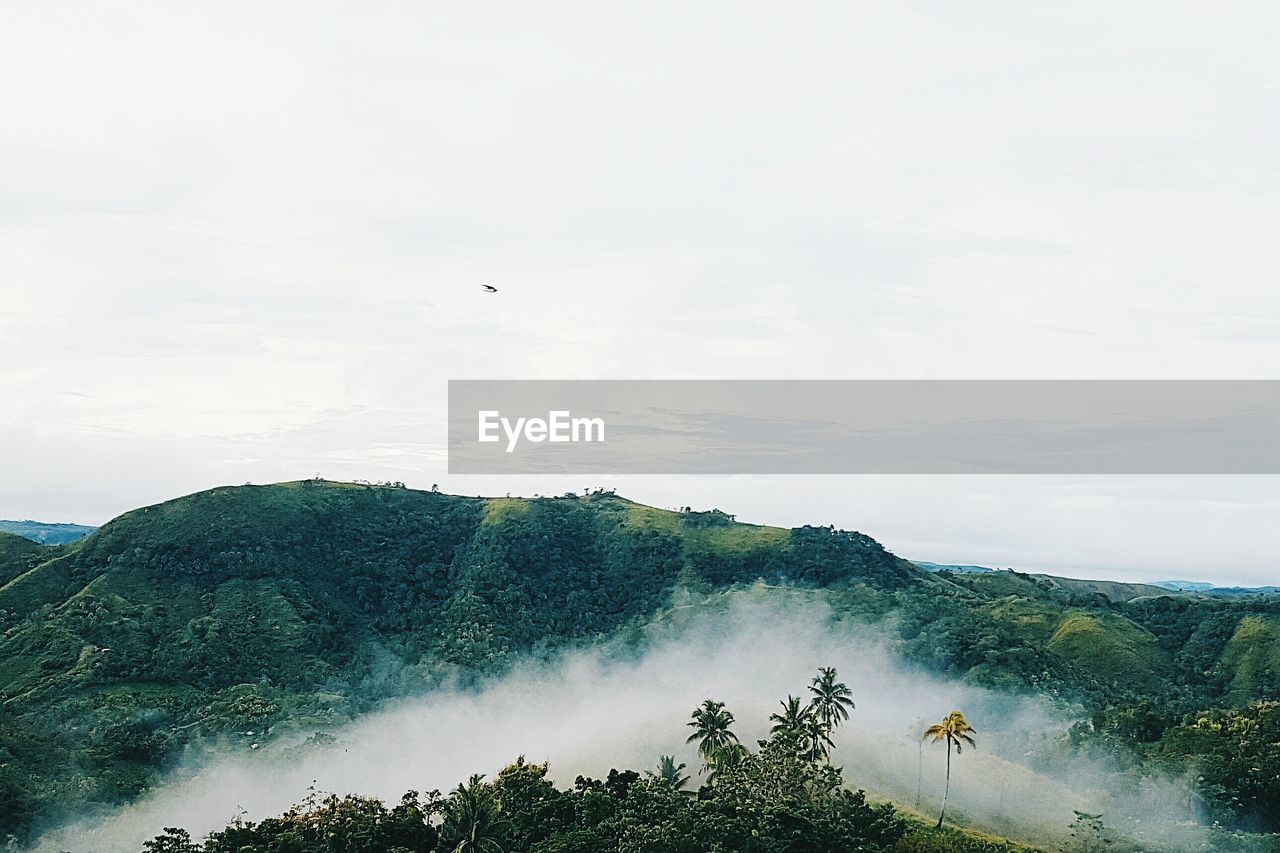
point(288, 608)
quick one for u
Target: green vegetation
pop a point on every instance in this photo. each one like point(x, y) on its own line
point(283, 610)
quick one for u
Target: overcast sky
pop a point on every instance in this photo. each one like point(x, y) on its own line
point(244, 242)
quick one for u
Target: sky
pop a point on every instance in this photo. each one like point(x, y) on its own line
point(244, 243)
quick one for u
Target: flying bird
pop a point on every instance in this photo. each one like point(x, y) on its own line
point(489, 288)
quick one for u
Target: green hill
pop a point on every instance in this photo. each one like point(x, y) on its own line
point(287, 608)
point(1111, 646)
point(281, 605)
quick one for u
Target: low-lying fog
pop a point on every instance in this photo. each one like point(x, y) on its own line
point(592, 710)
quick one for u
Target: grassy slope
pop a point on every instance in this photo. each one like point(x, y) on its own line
point(1036, 609)
point(735, 537)
point(1110, 646)
point(923, 837)
point(1252, 657)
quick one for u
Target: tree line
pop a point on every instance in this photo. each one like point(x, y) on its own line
point(784, 796)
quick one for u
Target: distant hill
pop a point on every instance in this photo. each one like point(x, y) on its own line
point(1184, 586)
point(46, 534)
point(1113, 590)
point(948, 567)
point(1210, 589)
point(1017, 583)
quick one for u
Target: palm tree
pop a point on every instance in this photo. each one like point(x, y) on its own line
point(801, 724)
point(954, 730)
point(472, 822)
point(710, 723)
point(832, 700)
point(794, 719)
point(668, 772)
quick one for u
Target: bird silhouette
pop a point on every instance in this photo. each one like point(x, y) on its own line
point(489, 288)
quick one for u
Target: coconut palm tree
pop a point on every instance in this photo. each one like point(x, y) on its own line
point(794, 720)
point(832, 700)
point(472, 822)
point(669, 773)
point(954, 730)
point(801, 724)
point(710, 723)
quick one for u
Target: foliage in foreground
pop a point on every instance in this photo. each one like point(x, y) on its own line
point(783, 798)
point(521, 810)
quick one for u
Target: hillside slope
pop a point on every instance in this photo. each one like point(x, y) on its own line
point(18, 555)
point(289, 582)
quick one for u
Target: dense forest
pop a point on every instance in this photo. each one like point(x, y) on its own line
point(288, 609)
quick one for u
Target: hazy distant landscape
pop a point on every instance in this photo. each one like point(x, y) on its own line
point(46, 533)
point(1154, 587)
point(269, 637)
